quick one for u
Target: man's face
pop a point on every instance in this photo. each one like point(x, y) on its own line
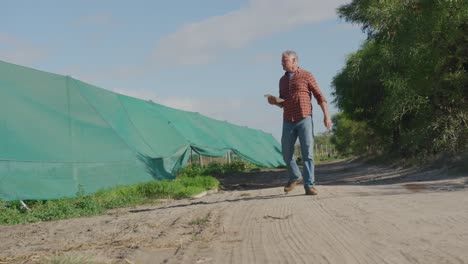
point(288, 63)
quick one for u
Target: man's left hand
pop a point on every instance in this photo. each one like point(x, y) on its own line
point(327, 122)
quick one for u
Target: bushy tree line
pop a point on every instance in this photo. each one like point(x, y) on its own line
point(406, 89)
point(352, 137)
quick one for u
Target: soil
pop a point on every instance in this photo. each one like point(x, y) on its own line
point(362, 214)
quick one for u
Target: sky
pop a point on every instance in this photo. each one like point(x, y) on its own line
point(215, 57)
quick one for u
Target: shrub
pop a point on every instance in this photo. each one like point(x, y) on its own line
point(99, 202)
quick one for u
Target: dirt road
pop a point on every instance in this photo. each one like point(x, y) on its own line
point(363, 214)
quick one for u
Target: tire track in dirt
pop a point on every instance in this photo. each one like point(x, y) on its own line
point(350, 236)
point(239, 223)
point(334, 236)
point(283, 232)
point(286, 231)
point(392, 237)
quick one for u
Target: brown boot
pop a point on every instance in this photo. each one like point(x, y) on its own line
point(311, 191)
point(290, 186)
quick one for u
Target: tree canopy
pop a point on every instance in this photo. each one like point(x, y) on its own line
point(407, 84)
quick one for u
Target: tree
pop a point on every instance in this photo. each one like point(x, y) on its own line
point(408, 82)
point(353, 137)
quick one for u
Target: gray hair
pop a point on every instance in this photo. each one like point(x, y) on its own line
point(290, 54)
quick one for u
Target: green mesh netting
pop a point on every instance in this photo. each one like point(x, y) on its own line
point(59, 135)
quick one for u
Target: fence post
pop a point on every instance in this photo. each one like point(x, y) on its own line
point(191, 156)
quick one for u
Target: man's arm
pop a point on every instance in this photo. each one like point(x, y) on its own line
point(313, 87)
point(272, 100)
point(326, 116)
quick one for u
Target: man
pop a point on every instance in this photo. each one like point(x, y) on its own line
point(296, 87)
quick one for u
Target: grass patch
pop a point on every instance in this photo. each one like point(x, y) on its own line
point(219, 169)
point(98, 203)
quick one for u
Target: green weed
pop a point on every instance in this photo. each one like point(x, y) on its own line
point(99, 202)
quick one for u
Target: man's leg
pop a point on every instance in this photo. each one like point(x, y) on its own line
point(288, 139)
point(305, 131)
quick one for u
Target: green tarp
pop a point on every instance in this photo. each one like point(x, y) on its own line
point(59, 135)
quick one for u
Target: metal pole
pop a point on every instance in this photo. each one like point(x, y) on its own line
point(24, 205)
point(191, 156)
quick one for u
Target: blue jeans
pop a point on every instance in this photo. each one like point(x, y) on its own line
point(304, 129)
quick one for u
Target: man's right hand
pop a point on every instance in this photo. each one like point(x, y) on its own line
point(271, 100)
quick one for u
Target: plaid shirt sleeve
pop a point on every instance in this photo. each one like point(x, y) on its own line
point(313, 87)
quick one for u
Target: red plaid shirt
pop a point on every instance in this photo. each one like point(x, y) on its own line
point(297, 95)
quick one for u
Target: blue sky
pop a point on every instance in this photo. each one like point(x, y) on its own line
point(217, 58)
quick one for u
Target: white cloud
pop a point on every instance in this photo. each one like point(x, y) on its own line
point(201, 42)
point(250, 112)
point(212, 107)
point(261, 58)
point(102, 77)
point(18, 51)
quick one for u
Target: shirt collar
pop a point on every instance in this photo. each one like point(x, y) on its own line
point(294, 72)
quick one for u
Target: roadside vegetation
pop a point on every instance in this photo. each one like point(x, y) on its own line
point(325, 149)
point(218, 169)
point(404, 92)
point(187, 184)
point(190, 181)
